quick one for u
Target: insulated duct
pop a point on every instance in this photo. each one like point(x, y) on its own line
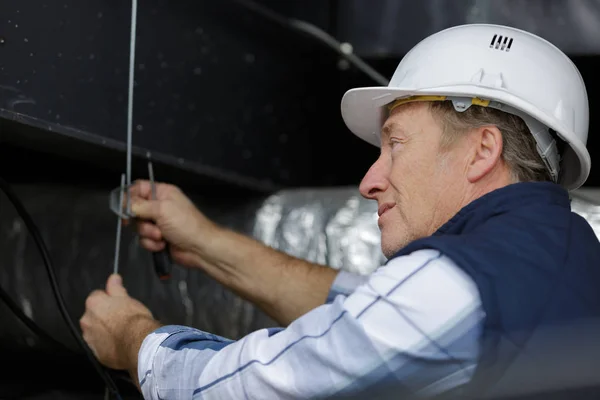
point(333, 226)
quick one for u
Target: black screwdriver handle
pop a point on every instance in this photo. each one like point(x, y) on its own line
point(162, 264)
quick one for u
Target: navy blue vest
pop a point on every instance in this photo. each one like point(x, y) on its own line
point(537, 267)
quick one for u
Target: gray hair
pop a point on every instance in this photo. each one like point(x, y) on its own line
point(519, 147)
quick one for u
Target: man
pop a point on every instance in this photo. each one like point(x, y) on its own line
point(490, 275)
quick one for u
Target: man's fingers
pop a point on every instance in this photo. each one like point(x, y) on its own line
point(94, 298)
point(138, 190)
point(141, 191)
point(145, 209)
point(114, 286)
point(141, 188)
point(149, 230)
point(152, 245)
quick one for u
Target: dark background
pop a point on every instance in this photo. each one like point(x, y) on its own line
point(223, 92)
point(232, 105)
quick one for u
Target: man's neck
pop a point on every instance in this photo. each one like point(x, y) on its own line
point(499, 178)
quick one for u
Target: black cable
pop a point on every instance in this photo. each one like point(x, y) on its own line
point(35, 328)
point(318, 33)
point(39, 241)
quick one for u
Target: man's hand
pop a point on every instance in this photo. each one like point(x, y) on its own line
point(171, 218)
point(114, 326)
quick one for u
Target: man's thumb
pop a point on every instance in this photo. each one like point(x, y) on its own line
point(114, 286)
point(143, 209)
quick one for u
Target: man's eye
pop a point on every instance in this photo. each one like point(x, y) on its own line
point(395, 144)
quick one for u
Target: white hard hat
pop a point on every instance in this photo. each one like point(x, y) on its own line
point(494, 66)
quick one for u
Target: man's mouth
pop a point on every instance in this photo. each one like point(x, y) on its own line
point(384, 208)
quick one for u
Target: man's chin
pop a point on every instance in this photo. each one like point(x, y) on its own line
point(391, 247)
point(389, 251)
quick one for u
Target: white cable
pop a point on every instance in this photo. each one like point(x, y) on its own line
point(130, 100)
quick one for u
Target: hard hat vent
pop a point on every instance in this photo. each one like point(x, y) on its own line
point(502, 43)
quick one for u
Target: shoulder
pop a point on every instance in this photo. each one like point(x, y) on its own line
point(428, 267)
point(417, 301)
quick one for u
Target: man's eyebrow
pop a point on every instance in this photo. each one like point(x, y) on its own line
point(388, 128)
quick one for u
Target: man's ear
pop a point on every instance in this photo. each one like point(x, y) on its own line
point(486, 152)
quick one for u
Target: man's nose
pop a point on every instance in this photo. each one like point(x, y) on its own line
point(375, 180)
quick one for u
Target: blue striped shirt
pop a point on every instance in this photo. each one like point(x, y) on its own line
point(411, 327)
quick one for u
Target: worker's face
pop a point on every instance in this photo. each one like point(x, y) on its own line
point(418, 187)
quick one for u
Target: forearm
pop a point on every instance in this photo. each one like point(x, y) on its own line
point(284, 287)
point(131, 341)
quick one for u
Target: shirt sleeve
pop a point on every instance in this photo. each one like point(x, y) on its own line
point(412, 328)
point(344, 284)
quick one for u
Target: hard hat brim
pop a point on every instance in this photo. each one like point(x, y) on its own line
point(364, 112)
